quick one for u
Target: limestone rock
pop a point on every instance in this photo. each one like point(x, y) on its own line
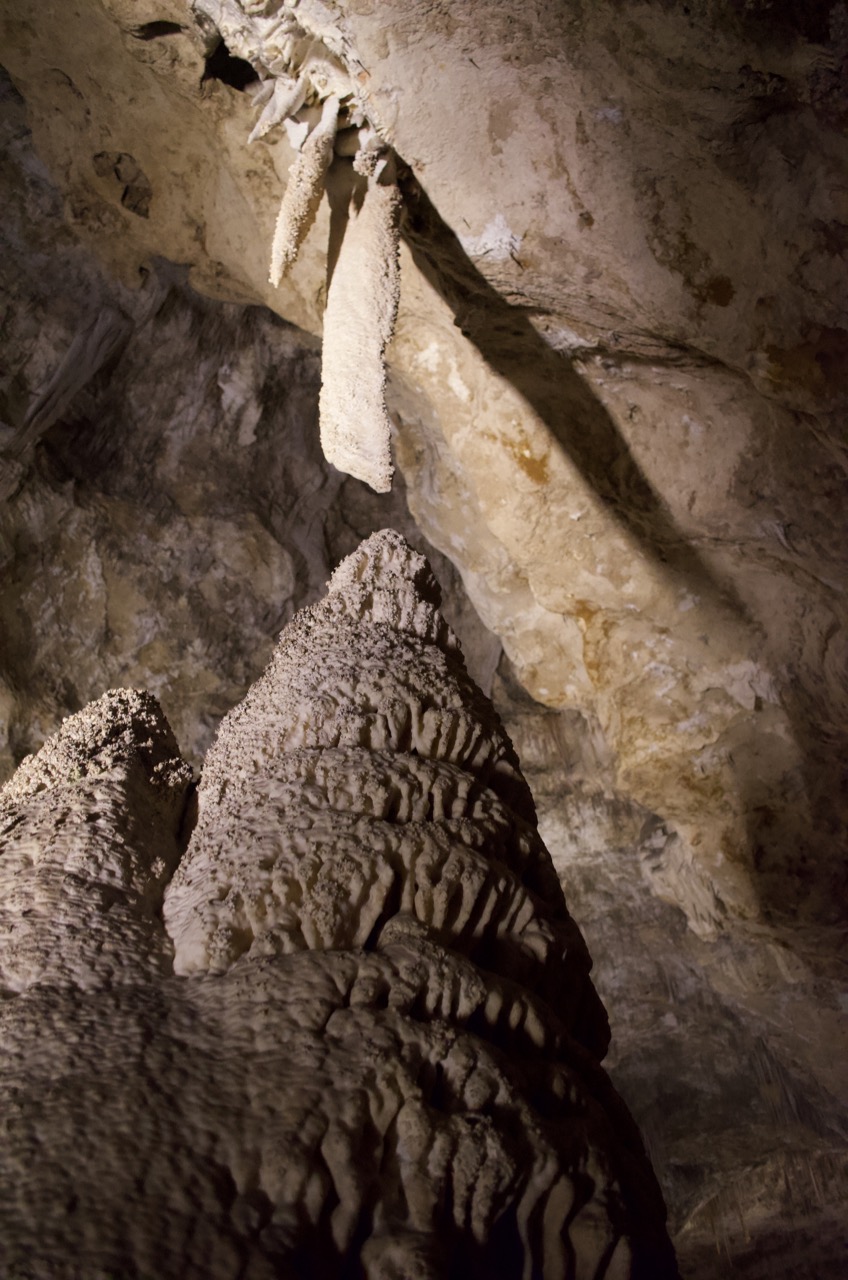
point(616, 389)
point(375, 782)
point(731, 1054)
point(627, 354)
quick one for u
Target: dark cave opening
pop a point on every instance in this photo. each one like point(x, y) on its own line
point(224, 66)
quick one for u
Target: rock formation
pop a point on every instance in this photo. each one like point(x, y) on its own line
point(603, 348)
point(310, 81)
point(89, 831)
point(377, 1052)
point(616, 391)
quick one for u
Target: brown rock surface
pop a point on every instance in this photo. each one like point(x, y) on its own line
point(634, 389)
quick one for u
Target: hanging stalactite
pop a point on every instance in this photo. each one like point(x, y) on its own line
point(308, 85)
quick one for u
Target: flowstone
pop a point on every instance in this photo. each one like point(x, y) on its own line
point(358, 1037)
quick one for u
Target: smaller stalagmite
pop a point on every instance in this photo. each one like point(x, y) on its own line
point(88, 840)
point(376, 1053)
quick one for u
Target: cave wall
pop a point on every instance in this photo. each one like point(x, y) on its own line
point(621, 324)
point(178, 509)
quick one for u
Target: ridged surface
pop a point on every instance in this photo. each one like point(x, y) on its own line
point(368, 1062)
point(88, 833)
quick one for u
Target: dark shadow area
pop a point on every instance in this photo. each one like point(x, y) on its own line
point(555, 391)
point(156, 30)
point(799, 849)
point(222, 65)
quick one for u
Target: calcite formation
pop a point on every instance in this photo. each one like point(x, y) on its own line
point(362, 302)
point(89, 831)
point(304, 190)
point(360, 1037)
point(311, 82)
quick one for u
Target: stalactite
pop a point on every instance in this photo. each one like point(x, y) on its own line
point(301, 67)
point(362, 303)
point(303, 191)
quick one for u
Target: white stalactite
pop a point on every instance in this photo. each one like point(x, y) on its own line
point(310, 60)
point(303, 192)
point(359, 320)
point(286, 96)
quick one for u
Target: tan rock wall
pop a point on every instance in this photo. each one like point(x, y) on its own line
point(643, 277)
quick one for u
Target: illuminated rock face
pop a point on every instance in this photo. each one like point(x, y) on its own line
point(617, 372)
point(376, 1054)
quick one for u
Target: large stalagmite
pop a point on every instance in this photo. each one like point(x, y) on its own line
point(377, 1053)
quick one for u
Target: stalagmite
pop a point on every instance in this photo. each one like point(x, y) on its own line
point(377, 1053)
point(88, 833)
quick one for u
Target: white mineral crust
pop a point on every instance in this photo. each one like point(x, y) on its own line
point(303, 192)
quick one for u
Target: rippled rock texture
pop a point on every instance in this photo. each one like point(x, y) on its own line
point(376, 1053)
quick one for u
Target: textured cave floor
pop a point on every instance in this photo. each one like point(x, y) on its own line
point(167, 523)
